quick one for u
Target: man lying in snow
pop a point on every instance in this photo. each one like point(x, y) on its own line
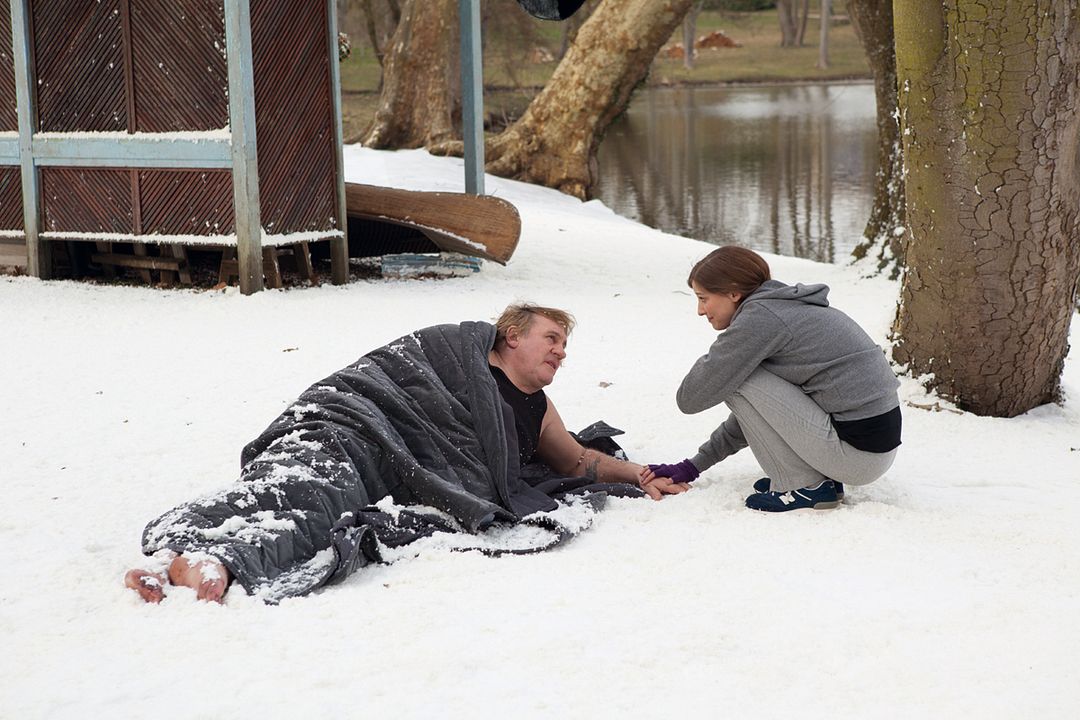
point(445, 419)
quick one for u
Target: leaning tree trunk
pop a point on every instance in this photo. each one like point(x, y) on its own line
point(873, 23)
point(554, 142)
point(572, 24)
point(988, 98)
point(419, 75)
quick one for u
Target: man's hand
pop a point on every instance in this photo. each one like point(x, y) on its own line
point(657, 486)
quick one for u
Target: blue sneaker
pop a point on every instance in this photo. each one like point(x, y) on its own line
point(764, 484)
point(821, 497)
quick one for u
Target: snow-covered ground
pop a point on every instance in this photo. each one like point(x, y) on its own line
point(949, 588)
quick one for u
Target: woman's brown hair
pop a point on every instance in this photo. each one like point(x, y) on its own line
point(730, 269)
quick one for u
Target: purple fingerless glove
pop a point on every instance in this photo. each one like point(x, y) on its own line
point(682, 472)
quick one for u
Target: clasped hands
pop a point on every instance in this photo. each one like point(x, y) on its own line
point(664, 479)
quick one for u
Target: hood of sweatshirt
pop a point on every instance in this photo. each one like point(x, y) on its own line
point(817, 294)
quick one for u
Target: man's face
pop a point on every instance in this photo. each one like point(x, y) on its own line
point(537, 354)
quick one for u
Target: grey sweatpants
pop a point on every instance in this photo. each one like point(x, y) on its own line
point(794, 439)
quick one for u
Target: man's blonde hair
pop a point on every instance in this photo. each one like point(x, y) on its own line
point(520, 315)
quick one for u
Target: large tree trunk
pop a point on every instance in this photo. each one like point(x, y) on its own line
point(873, 23)
point(419, 78)
point(988, 98)
point(554, 142)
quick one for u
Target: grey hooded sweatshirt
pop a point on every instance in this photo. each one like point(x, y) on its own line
point(793, 333)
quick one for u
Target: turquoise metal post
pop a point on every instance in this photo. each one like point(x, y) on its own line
point(37, 251)
point(472, 96)
point(245, 168)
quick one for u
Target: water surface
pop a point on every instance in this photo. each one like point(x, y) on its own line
point(787, 169)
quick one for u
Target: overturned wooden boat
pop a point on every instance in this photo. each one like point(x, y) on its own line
point(478, 225)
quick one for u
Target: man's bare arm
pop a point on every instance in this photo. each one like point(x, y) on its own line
point(566, 456)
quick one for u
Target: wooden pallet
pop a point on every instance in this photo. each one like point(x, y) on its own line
point(478, 225)
point(300, 256)
point(171, 262)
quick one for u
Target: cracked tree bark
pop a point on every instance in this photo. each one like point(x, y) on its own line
point(420, 78)
point(554, 142)
point(988, 97)
point(883, 236)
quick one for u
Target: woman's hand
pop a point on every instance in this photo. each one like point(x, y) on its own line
point(657, 484)
point(681, 472)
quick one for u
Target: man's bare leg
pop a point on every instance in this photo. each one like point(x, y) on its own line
point(149, 585)
point(206, 576)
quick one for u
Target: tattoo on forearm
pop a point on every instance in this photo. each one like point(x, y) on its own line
point(592, 468)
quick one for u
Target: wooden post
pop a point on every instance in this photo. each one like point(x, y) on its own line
point(245, 169)
point(339, 247)
point(38, 257)
point(472, 96)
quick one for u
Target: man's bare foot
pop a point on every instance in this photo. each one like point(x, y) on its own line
point(207, 577)
point(149, 585)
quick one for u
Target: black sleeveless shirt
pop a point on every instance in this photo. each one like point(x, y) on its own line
point(529, 410)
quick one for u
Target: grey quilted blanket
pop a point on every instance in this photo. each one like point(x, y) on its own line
point(416, 424)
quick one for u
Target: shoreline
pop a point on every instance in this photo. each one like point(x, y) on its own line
point(850, 80)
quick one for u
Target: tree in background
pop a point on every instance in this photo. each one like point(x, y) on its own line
point(988, 98)
point(510, 37)
point(689, 33)
point(554, 142)
point(792, 21)
point(420, 78)
point(823, 42)
point(380, 21)
point(873, 23)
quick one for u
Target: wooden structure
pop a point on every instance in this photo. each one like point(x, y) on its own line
point(478, 225)
point(170, 122)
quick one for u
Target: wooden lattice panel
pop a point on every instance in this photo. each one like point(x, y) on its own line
point(161, 65)
point(179, 70)
point(79, 57)
point(189, 202)
point(86, 200)
point(11, 208)
point(8, 119)
point(293, 111)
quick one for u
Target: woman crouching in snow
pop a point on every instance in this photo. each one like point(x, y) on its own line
point(809, 391)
